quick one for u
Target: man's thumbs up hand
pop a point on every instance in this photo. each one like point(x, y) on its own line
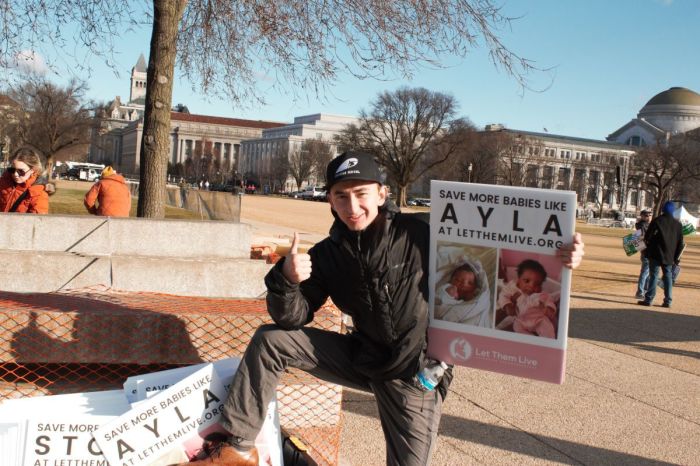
point(296, 267)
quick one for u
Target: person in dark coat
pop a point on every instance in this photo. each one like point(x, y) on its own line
point(374, 266)
point(664, 240)
point(643, 281)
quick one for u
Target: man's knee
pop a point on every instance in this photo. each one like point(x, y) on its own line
point(271, 338)
point(268, 335)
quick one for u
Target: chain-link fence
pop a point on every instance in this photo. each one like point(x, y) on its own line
point(88, 340)
point(210, 205)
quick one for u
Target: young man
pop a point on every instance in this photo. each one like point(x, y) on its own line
point(374, 265)
point(643, 281)
point(664, 240)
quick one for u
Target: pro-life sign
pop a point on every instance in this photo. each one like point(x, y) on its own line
point(172, 422)
point(499, 297)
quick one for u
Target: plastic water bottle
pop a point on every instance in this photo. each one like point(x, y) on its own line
point(430, 376)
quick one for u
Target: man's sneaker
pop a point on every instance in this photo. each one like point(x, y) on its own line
point(224, 454)
point(644, 303)
point(666, 305)
point(639, 296)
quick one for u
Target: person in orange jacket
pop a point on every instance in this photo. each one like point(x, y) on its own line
point(111, 194)
point(23, 189)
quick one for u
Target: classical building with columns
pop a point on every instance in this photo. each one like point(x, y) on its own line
point(257, 155)
point(590, 167)
point(118, 130)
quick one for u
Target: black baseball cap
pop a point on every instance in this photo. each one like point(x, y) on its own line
point(645, 212)
point(353, 165)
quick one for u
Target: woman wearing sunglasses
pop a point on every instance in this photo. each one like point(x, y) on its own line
point(22, 188)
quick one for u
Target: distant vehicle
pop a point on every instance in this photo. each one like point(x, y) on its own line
point(80, 171)
point(313, 193)
point(84, 174)
point(294, 194)
point(422, 201)
point(411, 202)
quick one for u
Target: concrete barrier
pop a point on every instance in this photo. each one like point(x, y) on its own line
point(91, 235)
point(190, 258)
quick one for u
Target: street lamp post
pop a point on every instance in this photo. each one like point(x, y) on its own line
point(469, 168)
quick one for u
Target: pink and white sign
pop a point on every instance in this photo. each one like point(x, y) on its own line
point(499, 297)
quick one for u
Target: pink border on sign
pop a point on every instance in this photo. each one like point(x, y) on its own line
point(497, 355)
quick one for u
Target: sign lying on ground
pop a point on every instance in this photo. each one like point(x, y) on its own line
point(164, 423)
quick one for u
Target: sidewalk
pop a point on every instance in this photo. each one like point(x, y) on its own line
point(631, 396)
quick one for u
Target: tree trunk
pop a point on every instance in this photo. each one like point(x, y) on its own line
point(155, 143)
point(401, 197)
point(49, 168)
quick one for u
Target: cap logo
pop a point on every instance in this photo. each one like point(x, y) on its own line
point(347, 165)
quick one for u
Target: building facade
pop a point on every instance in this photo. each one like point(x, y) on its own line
point(257, 155)
point(195, 140)
point(596, 170)
point(669, 113)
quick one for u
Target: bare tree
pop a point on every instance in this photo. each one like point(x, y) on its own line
point(667, 167)
point(401, 126)
point(320, 153)
point(485, 156)
point(512, 155)
point(464, 139)
point(225, 46)
point(601, 183)
point(352, 137)
point(279, 167)
point(51, 118)
point(301, 165)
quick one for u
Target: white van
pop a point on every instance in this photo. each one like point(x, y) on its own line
point(313, 193)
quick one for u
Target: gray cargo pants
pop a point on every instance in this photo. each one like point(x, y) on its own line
point(409, 416)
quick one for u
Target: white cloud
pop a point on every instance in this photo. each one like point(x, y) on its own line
point(30, 61)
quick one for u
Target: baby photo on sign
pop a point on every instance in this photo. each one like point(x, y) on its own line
point(528, 293)
point(464, 283)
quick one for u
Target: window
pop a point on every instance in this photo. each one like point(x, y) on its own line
point(547, 177)
point(563, 182)
point(531, 176)
point(635, 141)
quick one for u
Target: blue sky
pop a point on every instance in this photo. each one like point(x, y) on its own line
point(608, 58)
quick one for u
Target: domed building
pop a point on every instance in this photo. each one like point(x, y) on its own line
point(667, 114)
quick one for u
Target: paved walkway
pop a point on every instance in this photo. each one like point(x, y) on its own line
point(631, 396)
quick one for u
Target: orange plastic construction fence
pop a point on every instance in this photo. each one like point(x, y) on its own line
point(88, 340)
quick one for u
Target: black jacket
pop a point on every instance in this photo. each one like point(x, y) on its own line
point(664, 239)
point(379, 277)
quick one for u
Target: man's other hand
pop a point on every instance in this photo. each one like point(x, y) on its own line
point(571, 254)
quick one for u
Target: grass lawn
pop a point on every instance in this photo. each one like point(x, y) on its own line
point(69, 201)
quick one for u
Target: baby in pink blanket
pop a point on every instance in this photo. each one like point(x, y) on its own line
point(523, 305)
